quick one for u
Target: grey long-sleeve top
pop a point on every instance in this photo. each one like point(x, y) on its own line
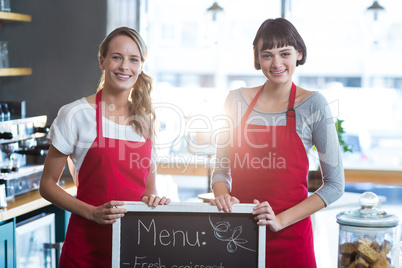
point(314, 125)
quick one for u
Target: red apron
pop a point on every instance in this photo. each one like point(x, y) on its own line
point(112, 170)
point(269, 163)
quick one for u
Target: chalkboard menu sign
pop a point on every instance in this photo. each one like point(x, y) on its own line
point(187, 235)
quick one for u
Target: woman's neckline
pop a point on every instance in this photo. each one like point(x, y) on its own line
point(110, 121)
point(273, 113)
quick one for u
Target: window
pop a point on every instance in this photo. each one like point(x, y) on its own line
point(322, 82)
point(354, 61)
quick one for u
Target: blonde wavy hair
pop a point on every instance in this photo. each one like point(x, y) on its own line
point(141, 109)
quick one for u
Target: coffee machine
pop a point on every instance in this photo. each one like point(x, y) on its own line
point(23, 149)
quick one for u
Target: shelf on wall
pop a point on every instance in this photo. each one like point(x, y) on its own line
point(15, 71)
point(10, 16)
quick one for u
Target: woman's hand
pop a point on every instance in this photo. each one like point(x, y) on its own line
point(265, 213)
point(154, 201)
point(108, 213)
point(224, 202)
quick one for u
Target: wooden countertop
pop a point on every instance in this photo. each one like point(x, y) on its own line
point(31, 201)
point(346, 200)
point(351, 175)
point(374, 176)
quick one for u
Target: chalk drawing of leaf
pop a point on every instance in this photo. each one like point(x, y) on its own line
point(231, 247)
point(223, 232)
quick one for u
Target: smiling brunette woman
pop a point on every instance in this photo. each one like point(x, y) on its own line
point(275, 124)
point(101, 137)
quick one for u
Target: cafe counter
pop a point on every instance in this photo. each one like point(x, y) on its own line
point(31, 201)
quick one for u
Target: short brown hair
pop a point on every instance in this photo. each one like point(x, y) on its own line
point(278, 33)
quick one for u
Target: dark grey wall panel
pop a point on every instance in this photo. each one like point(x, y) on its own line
point(60, 45)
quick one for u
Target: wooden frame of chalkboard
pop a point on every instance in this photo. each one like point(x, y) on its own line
point(187, 235)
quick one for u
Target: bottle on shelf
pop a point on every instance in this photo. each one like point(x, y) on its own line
point(7, 113)
point(5, 6)
point(5, 63)
point(2, 115)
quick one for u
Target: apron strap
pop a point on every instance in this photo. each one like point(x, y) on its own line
point(99, 114)
point(250, 108)
point(291, 113)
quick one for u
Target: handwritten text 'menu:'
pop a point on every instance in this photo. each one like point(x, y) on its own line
point(165, 238)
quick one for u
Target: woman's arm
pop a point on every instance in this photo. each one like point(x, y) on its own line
point(51, 191)
point(150, 196)
point(221, 176)
point(325, 138)
point(223, 200)
point(307, 207)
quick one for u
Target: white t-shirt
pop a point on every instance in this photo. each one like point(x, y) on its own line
point(74, 130)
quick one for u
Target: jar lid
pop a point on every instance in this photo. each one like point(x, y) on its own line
point(367, 215)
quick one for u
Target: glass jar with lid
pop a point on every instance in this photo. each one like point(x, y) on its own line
point(368, 236)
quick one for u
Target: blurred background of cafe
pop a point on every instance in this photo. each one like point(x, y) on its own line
point(198, 52)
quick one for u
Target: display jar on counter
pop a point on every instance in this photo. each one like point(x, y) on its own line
point(368, 236)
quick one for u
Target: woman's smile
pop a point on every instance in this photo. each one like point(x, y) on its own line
point(278, 73)
point(123, 76)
